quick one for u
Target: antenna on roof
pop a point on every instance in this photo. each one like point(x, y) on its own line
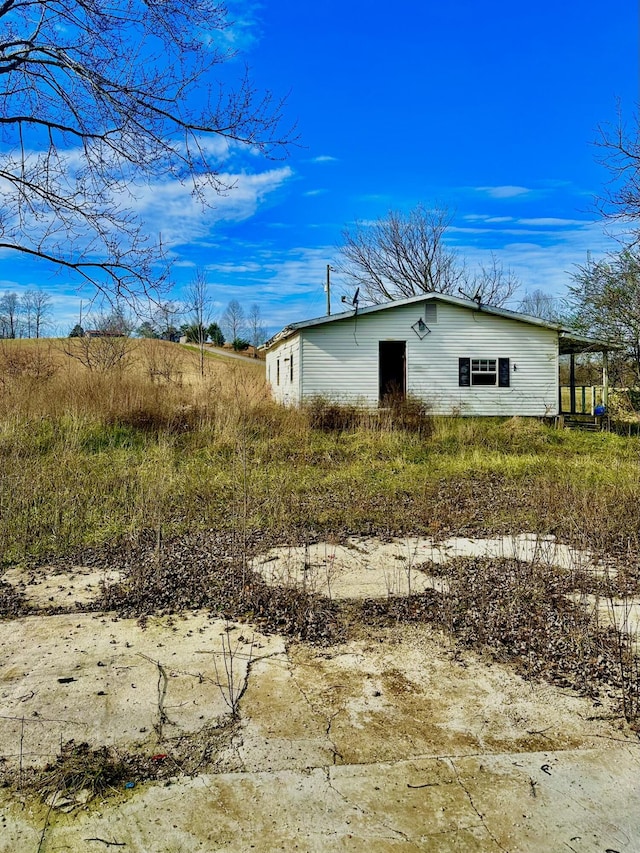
point(475, 298)
point(354, 300)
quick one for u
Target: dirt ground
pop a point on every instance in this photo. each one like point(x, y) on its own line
point(394, 740)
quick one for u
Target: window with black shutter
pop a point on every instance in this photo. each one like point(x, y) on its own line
point(484, 371)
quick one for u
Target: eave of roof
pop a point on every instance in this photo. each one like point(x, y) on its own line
point(579, 343)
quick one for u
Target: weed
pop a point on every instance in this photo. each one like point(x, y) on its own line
point(230, 683)
point(524, 614)
point(198, 571)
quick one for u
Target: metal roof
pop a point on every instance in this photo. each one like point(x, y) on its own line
point(570, 341)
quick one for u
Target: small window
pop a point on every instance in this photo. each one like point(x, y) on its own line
point(278, 372)
point(291, 368)
point(484, 371)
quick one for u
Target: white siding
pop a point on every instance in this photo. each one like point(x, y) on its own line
point(283, 371)
point(341, 360)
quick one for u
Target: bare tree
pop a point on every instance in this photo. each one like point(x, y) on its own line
point(537, 303)
point(619, 148)
point(42, 311)
point(234, 321)
point(36, 311)
point(100, 98)
point(164, 318)
point(492, 284)
point(9, 315)
point(255, 324)
point(105, 346)
point(403, 255)
point(199, 307)
point(116, 323)
point(26, 312)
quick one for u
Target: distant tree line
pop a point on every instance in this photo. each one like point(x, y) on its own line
point(25, 315)
point(241, 329)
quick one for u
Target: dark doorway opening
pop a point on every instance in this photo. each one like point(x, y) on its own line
point(392, 360)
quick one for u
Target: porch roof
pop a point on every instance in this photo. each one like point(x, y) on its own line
point(571, 343)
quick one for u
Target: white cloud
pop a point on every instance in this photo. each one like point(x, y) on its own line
point(173, 210)
point(481, 217)
point(554, 222)
point(231, 268)
point(243, 33)
point(540, 259)
point(324, 158)
point(506, 191)
point(310, 193)
point(288, 284)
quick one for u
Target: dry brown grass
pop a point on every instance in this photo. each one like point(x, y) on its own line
point(45, 379)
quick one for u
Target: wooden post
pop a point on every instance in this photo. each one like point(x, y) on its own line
point(572, 383)
point(605, 380)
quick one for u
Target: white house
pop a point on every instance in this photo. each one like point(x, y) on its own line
point(457, 355)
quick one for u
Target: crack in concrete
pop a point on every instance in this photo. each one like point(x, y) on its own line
point(474, 807)
point(348, 802)
point(334, 748)
point(319, 712)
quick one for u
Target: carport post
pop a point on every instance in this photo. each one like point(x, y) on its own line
point(572, 383)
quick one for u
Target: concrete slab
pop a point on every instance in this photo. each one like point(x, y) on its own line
point(111, 682)
point(46, 587)
point(371, 568)
point(392, 741)
point(520, 803)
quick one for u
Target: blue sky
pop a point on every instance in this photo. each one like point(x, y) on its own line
point(489, 108)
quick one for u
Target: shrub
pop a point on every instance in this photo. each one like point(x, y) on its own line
point(240, 344)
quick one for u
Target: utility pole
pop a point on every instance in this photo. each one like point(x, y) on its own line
point(328, 289)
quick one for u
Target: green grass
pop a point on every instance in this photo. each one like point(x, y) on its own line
point(89, 458)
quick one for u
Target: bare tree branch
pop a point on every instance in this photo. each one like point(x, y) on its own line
point(619, 150)
point(537, 303)
point(100, 99)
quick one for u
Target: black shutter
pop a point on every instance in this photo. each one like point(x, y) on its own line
point(464, 372)
point(503, 372)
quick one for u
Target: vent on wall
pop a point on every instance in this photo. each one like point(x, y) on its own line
point(431, 312)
